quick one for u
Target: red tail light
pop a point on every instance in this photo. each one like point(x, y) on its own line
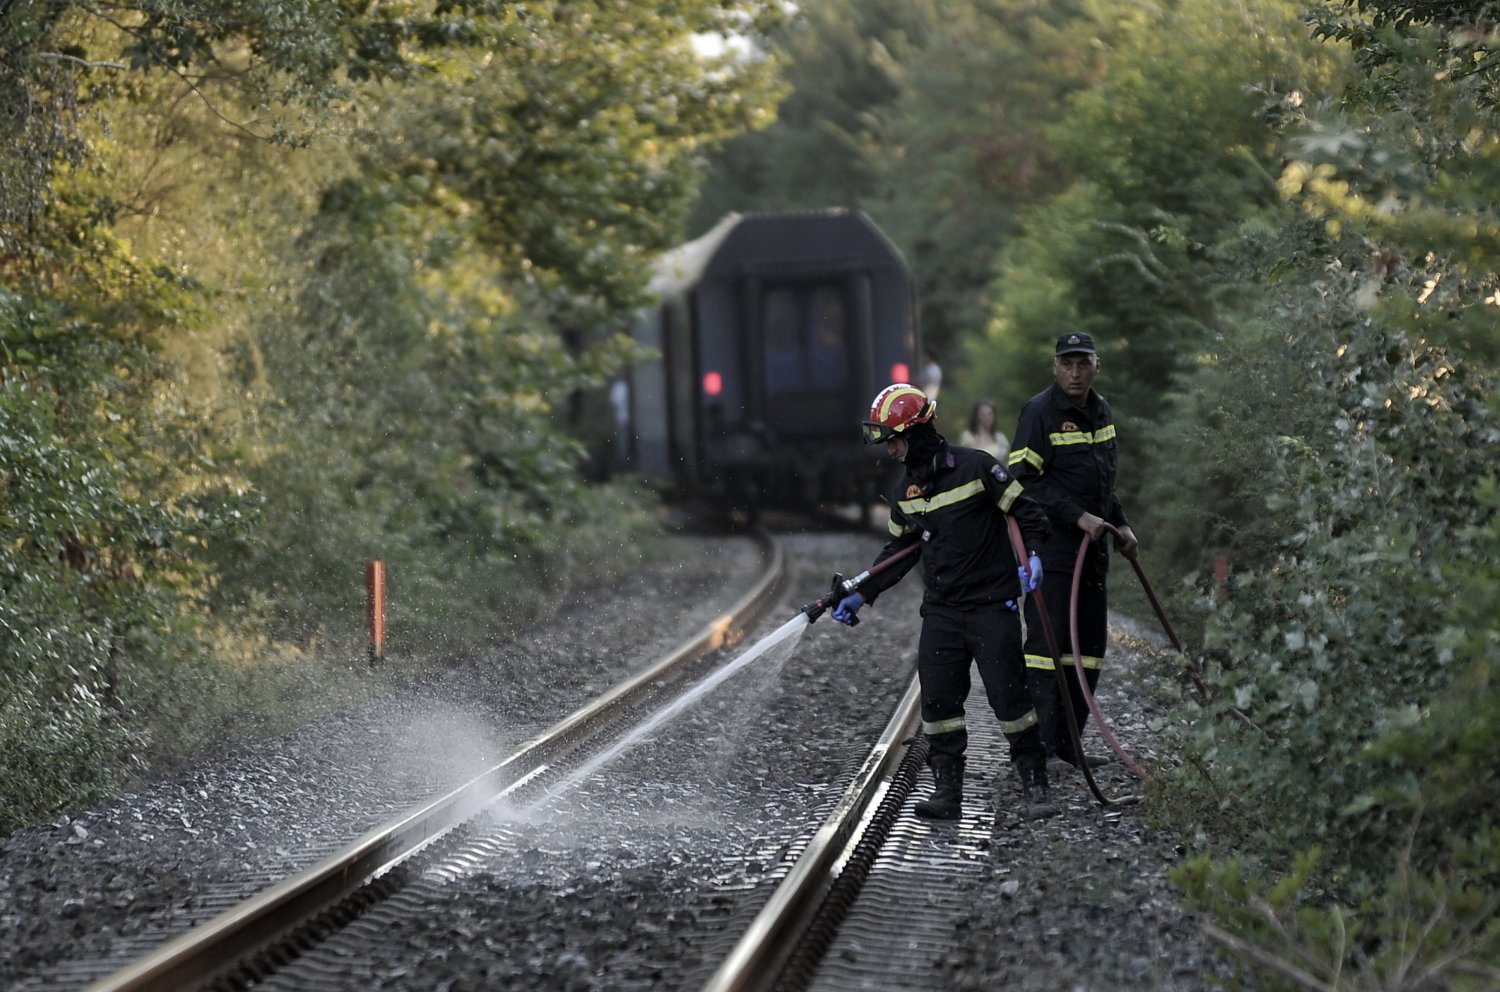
point(713, 383)
point(901, 372)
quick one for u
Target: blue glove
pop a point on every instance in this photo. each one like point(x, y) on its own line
point(1030, 582)
point(848, 606)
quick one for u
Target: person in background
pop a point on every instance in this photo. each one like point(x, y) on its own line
point(981, 432)
point(1065, 456)
point(955, 501)
point(930, 378)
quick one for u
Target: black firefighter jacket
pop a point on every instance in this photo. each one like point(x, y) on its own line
point(957, 507)
point(1066, 457)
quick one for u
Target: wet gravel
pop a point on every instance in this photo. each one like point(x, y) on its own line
point(1081, 901)
point(604, 889)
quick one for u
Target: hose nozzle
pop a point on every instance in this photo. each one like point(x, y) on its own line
point(837, 591)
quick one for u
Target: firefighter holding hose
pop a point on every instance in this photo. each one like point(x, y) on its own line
point(955, 501)
point(1065, 454)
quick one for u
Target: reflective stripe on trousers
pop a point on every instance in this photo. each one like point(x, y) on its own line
point(952, 641)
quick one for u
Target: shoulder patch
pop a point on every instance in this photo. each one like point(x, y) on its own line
point(998, 471)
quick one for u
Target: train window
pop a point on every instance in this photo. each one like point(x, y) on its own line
point(780, 308)
point(806, 334)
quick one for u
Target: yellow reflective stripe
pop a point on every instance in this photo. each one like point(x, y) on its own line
point(947, 726)
point(963, 492)
point(1008, 498)
point(1025, 455)
point(1016, 726)
point(1071, 437)
point(895, 529)
point(1082, 437)
point(1045, 661)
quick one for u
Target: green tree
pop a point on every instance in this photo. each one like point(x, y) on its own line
point(841, 64)
point(1170, 150)
point(195, 189)
point(969, 150)
point(463, 270)
point(109, 496)
point(268, 67)
point(1355, 638)
point(930, 117)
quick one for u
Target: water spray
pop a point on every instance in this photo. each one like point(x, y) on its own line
point(780, 643)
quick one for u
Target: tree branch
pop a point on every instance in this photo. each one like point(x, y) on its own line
point(60, 57)
point(1260, 956)
point(164, 63)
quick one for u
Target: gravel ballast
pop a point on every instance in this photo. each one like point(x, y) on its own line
point(1078, 901)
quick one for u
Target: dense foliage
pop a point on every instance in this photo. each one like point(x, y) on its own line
point(99, 566)
point(292, 286)
point(1358, 641)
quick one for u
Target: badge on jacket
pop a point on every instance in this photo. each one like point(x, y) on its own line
point(913, 491)
point(1001, 476)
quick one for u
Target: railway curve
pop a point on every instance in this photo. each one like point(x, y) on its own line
point(611, 894)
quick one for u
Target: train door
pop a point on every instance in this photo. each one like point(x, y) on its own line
point(814, 351)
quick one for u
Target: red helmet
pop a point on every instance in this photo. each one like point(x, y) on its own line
point(895, 409)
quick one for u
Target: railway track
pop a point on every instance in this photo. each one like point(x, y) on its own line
point(839, 888)
point(250, 940)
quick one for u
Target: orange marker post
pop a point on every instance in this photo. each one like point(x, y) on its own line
point(375, 592)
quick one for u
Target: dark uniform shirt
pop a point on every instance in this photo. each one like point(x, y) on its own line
point(1066, 458)
point(957, 507)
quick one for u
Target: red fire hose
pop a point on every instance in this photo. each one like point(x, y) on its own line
point(1064, 695)
point(1083, 683)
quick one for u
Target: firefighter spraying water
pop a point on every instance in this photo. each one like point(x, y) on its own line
point(954, 504)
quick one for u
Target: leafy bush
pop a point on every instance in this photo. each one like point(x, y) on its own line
point(1345, 639)
point(1419, 933)
point(411, 295)
point(408, 412)
point(1361, 640)
point(104, 522)
point(1357, 630)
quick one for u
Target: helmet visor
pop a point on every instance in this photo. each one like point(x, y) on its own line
point(877, 433)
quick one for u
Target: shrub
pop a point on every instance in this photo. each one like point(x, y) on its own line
point(104, 521)
point(1363, 651)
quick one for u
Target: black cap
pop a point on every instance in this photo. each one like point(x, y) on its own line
point(1075, 343)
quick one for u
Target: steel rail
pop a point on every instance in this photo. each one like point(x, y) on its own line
point(213, 947)
point(775, 935)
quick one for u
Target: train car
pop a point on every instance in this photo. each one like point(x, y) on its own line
point(772, 333)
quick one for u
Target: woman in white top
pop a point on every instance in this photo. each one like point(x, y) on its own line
point(983, 434)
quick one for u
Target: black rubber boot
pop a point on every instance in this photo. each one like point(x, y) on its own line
point(947, 799)
point(1037, 797)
